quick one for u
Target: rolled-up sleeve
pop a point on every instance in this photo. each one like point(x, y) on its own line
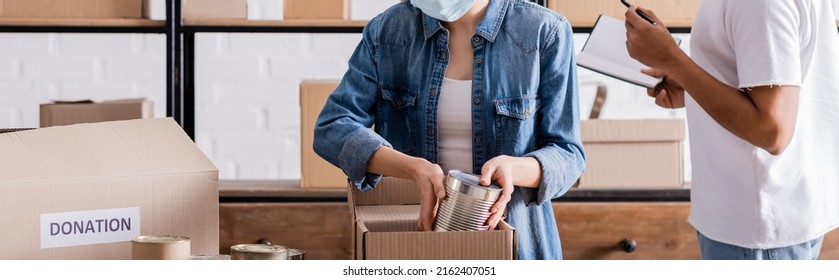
point(560, 151)
point(342, 135)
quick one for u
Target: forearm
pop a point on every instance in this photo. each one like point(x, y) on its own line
point(528, 172)
point(389, 162)
point(733, 109)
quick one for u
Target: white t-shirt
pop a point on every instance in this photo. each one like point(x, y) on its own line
point(454, 122)
point(741, 194)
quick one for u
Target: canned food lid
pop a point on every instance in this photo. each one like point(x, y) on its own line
point(258, 248)
point(294, 252)
point(210, 257)
point(469, 184)
point(160, 239)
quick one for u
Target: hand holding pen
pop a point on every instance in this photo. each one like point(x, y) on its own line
point(640, 13)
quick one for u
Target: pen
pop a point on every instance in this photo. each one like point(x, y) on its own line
point(640, 13)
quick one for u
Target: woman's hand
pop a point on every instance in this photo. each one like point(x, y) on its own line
point(429, 179)
point(427, 176)
point(500, 170)
point(669, 93)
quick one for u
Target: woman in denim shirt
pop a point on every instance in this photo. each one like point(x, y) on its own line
point(511, 61)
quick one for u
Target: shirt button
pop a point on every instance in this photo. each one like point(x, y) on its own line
point(430, 131)
point(477, 101)
point(479, 61)
point(477, 140)
point(476, 39)
point(433, 92)
point(399, 102)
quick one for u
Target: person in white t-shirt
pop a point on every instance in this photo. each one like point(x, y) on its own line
point(763, 114)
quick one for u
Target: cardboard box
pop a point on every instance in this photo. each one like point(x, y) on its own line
point(66, 113)
point(633, 153)
point(154, 9)
point(103, 184)
point(71, 8)
point(215, 9)
point(316, 172)
point(674, 13)
point(368, 9)
point(386, 229)
point(316, 9)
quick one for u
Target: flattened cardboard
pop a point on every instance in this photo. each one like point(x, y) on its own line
point(317, 173)
point(386, 229)
point(151, 164)
point(633, 153)
point(71, 8)
point(316, 9)
point(215, 9)
point(67, 113)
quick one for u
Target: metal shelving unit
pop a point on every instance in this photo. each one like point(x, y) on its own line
point(180, 43)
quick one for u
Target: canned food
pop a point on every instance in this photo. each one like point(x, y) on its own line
point(296, 254)
point(210, 257)
point(467, 203)
point(163, 247)
point(258, 252)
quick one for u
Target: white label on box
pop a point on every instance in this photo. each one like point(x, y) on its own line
point(89, 227)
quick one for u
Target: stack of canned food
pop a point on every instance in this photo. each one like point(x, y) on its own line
point(467, 203)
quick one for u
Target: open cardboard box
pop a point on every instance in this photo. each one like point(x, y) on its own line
point(385, 229)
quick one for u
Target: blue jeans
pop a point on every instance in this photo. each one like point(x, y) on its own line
point(715, 250)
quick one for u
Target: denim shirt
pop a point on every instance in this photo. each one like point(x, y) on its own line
point(524, 103)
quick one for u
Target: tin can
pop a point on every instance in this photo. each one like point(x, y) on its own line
point(296, 254)
point(467, 203)
point(210, 257)
point(258, 252)
point(162, 247)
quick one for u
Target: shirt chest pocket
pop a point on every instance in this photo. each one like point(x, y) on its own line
point(520, 108)
point(399, 97)
point(515, 124)
point(396, 117)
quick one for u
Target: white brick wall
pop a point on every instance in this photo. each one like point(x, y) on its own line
point(39, 68)
point(247, 94)
point(247, 112)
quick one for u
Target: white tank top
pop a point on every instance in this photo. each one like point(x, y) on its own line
point(454, 124)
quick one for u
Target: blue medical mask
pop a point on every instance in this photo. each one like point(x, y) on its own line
point(445, 10)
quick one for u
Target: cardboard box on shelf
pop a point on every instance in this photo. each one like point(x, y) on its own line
point(585, 12)
point(316, 9)
point(215, 9)
point(86, 111)
point(154, 9)
point(385, 229)
point(633, 153)
point(84, 191)
point(316, 172)
point(71, 8)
